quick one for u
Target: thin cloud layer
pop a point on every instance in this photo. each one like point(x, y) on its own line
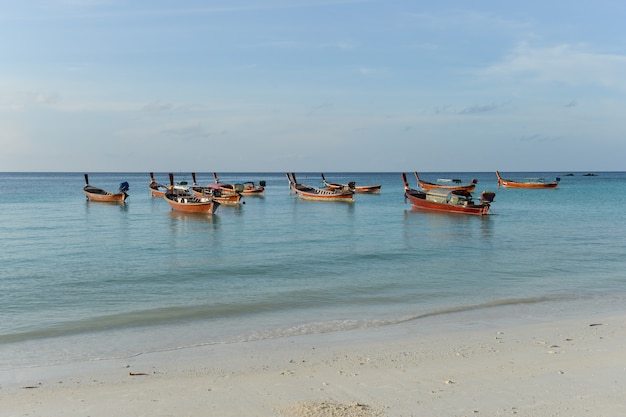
point(570, 64)
point(284, 81)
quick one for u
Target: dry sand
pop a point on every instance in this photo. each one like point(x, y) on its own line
point(566, 368)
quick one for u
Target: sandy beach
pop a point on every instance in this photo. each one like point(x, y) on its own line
point(564, 368)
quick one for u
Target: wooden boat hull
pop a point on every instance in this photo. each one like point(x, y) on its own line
point(156, 193)
point(306, 192)
point(368, 189)
point(156, 189)
point(93, 195)
point(208, 192)
point(258, 191)
point(98, 194)
point(246, 188)
point(191, 204)
point(448, 201)
point(522, 184)
point(180, 200)
point(216, 192)
point(229, 191)
point(252, 189)
point(424, 204)
point(425, 185)
point(360, 189)
point(323, 196)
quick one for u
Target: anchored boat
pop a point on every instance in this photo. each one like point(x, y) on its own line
point(526, 184)
point(446, 200)
point(98, 194)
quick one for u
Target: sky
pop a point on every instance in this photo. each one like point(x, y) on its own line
point(312, 85)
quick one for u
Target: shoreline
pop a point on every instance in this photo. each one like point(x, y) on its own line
point(58, 352)
point(462, 366)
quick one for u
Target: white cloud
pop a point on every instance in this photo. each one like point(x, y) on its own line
point(157, 106)
point(571, 64)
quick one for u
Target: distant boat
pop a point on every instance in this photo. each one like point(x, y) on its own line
point(214, 191)
point(526, 184)
point(180, 200)
point(425, 185)
point(246, 188)
point(361, 189)
point(98, 194)
point(446, 200)
point(253, 189)
point(306, 192)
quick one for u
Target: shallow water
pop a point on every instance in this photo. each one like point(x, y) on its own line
point(84, 280)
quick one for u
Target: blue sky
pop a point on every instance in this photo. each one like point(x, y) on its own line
point(312, 85)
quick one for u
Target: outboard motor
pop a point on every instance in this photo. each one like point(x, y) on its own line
point(351, 185)
point(262, 183)
point(124, 187)
point(487, 197)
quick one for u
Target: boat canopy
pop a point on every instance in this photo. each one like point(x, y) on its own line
point(443, 192)
point(442, 195)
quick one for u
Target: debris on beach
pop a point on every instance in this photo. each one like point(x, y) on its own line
point(332, 409)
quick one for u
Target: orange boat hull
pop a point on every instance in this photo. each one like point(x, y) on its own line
point(157, 193)
point(367, 189)
point(519, 184)
point(318, 194)
point(425, 185)
point(187, 204)
point(253, 191)
point(448, 201)
point(361, 189)
point(324, 197)
point(228, 199)
point(111, 198)
point(448, 208)
point(98, 194)
point(248, 187)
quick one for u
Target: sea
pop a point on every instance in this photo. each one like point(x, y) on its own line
point(88, 281)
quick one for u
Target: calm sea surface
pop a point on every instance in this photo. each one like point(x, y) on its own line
point(83, 280)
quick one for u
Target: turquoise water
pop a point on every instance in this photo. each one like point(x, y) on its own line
point(84, 280)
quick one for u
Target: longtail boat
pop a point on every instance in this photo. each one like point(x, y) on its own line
point(425, 185)
point(361, 189)
point(446, 200)
point(214, 191)
point(246, 188)
point(526, 184)
point(306, 192)
point(252, 189)
point(180, 200)
point(98, 194)
point(156, 189)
